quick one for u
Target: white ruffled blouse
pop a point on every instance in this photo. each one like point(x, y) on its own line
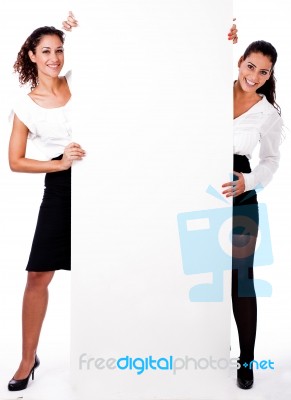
point(49, 128)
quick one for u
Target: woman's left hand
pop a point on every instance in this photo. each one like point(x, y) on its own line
point(235, 188)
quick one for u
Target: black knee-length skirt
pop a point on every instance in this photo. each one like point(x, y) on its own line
point(51, 246)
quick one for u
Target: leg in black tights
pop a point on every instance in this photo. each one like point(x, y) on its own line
point(244, 299)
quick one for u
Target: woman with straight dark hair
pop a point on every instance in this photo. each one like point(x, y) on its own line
point(257, 120)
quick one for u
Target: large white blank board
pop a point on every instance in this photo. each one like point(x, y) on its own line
point(153, 108)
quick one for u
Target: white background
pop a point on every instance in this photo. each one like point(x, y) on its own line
point(20, 196)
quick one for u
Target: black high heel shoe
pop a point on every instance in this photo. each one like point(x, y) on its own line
point(20, 384)
point(245, 383)
point(245, 378)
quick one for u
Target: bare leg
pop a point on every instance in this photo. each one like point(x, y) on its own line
point(35, 301)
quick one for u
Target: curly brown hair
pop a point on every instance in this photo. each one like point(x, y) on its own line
point(26, 69)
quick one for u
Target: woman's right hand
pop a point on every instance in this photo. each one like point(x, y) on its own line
point(72, 153)
point(232, 34)
point(70, 22)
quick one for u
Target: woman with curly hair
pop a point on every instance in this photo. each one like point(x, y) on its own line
point(43, 115)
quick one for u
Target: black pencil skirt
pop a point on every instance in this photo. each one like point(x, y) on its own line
point(245, 206)
point(51, 246)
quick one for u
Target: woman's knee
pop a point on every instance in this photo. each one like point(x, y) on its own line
point(39, 279)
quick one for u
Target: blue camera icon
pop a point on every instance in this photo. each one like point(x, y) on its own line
point(206, 247)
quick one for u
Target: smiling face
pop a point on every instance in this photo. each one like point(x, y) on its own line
point(48, 56)
point(254, 71)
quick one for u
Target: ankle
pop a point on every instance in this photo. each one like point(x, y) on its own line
point(246, 369)
point(28, 356)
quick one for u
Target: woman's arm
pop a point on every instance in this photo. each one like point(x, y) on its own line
point(269, 154)
point(17, 150)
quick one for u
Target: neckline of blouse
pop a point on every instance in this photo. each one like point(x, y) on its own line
point(49, 108)
point(260, 103)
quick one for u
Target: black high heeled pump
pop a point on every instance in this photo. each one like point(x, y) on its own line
point(20, 384)
point(245, 377)
point(245, 383)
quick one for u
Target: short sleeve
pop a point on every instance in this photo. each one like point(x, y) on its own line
point(22, 110)
point(68, 77)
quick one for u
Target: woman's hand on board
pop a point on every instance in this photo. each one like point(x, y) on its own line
point(70, 22)
point(232, 34)
point(72, 153)
point(234, 188)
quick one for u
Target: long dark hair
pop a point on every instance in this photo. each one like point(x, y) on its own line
point(26, 69)
point(268, 50)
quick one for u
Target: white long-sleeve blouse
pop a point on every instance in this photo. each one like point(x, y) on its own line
point(260, 124)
